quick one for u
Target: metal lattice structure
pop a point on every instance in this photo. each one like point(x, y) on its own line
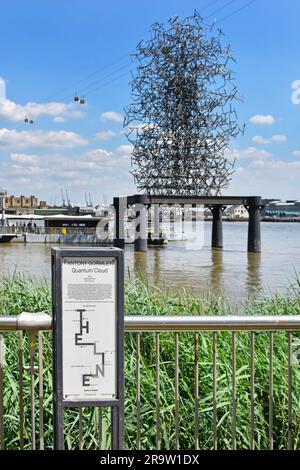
point(181, 118)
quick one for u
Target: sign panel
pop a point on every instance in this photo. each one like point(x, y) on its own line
point(89, 335)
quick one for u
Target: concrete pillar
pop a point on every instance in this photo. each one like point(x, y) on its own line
point(254, 235)
point(119, 206)
point(217, 229)
point(141, 223)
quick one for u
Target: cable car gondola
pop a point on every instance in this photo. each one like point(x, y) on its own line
point(78, 99)
point(28, 120)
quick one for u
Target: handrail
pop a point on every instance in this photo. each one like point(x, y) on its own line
point(212, 323)
point(159, 323)
point(26, 321)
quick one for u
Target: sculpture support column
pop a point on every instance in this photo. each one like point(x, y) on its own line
point(217, 228)
point(119, 206)
point(141, 223)
point(254, 234)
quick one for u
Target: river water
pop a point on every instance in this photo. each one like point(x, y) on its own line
point(193, 265)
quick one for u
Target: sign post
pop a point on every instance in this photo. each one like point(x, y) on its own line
point(88, 339)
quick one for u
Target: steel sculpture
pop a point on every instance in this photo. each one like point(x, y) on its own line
point(181, 118)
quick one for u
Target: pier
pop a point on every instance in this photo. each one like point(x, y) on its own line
point(216, 204)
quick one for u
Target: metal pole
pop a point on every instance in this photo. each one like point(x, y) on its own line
point(32, 344)
point(1, 393)
point(119, 241)
point(117, 425)
point(140, 323)
point(147, 323)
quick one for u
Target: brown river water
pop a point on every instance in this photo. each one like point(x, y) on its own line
point(194, 266)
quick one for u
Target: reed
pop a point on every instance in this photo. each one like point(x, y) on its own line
point(22, 294)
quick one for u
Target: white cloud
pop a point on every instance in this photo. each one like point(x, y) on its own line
point(45, 171)
point(2, 90)
point(279, 138)
point(58, 119)
point(270, 178)
point(125, 149)
point(98, 155)
point(23, 181)
point(262, 119)
point(275, 139)
point(296, 153)
point(11, 138)
point(105, 135)
point(247, 153)
point(112, 116)
point(16, 112)
point(26, 170)
point(24, 159)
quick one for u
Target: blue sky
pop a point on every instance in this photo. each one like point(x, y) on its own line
point(51, 49)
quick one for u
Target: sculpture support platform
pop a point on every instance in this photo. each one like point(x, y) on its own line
point(216, 203)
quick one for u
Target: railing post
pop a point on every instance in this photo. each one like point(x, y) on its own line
point(32, 346)
point(1, 392)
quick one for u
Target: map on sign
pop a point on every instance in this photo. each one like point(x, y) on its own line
point(89, 328)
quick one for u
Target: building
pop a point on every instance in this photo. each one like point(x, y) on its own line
point(21, 203)
point(236, 212)
point(282, 209)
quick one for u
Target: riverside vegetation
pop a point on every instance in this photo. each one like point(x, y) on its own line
point(19, 294)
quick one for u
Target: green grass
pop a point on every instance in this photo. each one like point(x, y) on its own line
point(19, 294)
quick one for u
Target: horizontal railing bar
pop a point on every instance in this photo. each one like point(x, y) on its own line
point(211, 323)
point(147, 323)
point(8, 322)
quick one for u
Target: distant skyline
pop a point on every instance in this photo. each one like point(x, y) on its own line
point(52, 50)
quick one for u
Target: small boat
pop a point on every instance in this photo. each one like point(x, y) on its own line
point(157, 241)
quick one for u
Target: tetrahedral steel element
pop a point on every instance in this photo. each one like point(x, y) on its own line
point(181, 119)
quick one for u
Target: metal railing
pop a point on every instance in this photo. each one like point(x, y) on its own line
point(36, 323)
point(38, 230)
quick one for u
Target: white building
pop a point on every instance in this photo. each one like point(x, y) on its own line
point(236, 212)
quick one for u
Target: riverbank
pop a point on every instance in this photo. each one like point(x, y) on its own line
point(18, 294)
